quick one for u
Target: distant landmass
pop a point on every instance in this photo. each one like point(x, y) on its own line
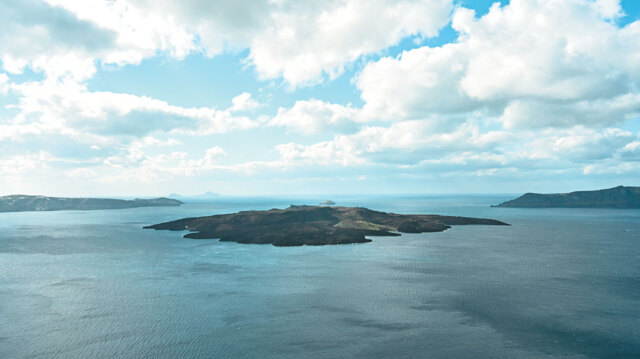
point(312, 225)
point(24, 203)
point(617, 197)
point(197, 197)
point(327, 203)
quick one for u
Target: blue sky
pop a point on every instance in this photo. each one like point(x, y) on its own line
point(139, 97)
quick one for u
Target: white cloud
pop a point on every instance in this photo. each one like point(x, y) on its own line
point(135, 164)
point(579, 144)
point(243, 102)
point(49, 39)
point(4, 84)
point(407, 142)
point(25, 163)
point(536, 86)
point(612, 168)
point(139, 32)
point(80, 173)
point(315, 116)
point(208, 162)
point(298, 41)
point(70, 107)
point(420, 83)
point(471, 149)
point(304, 41)
point(542, 62)
point(598, 113)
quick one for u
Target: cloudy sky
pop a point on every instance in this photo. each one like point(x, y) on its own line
point(245, 97)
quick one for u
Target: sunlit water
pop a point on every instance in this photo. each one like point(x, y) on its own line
point(558, 283)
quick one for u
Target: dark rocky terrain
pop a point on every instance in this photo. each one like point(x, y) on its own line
point(617, 197)
point(23, 203)
point(312, 225)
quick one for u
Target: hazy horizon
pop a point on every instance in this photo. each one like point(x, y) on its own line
point(222, 196)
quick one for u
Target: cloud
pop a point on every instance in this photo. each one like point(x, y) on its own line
point(137, 165)
point(315, 116)
point(68, 122)
point(70, 108)
point(80, 173)
point(532, 88)
point(4, 84)
point(598, 113)
point(304, 41)
point(471, 149)
point(25, 164)
point(139, 32)
point(65, 39)
point(580, 144)
point(539, 63)
point(301, 42)
point(243, 102)
point(419, 83)
point(49, 39)
point(208, 162)
point(403, 143)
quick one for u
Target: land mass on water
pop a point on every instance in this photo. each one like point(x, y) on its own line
point(312, 225)
point(24, 203)
point(617, 197)
point(207, 196)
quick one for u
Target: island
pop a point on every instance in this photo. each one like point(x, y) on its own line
point(617, 197)
point(327, 202)
point(24, 203)
point(204, 197)
point(312, 225)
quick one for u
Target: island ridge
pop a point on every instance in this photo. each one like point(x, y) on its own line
point(24, 203)
point(617, 197)
point(312, 225)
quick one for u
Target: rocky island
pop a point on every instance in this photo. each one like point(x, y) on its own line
point(24, 203)
point(312, 225)
point(617, 197)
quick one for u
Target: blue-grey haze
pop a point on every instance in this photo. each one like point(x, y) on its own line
point(557, 283)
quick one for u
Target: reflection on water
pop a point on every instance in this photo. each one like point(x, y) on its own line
point(557, 283)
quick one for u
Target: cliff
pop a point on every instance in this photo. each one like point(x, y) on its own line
point(617, 197)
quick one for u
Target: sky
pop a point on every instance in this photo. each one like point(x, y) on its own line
point(274, 97)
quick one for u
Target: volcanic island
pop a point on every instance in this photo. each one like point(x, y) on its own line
point(312, 225)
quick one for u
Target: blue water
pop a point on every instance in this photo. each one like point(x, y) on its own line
point(558, 283)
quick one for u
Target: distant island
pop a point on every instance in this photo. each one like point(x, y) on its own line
point(24, 203)
point(312, 225)
point(617, 197)
point(327, 203)
point(207, 196)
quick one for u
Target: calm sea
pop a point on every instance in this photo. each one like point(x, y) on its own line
point(558, 283)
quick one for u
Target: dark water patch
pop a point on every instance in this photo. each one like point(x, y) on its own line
point(424, 268)
point(212, 268)
point(556, 331)
point(378, 325)
point(335, 309)
point(91, 316)
point(427, 307)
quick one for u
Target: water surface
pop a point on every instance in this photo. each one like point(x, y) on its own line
point(558, 283)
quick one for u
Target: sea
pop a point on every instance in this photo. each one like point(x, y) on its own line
point(557, 283)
